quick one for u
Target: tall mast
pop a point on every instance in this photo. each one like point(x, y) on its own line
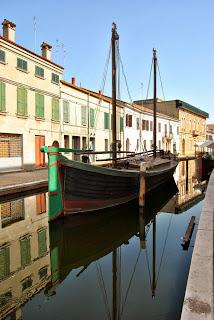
point(114, 37)
point(154, 101)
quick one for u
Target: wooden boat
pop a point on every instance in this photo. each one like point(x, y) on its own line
point(76, 187)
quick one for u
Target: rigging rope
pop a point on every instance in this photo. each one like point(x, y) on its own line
point(164, 248)
point(129, 285)
point(103, 289)
point(124, 75)
point(160, 80)
point(150, 74)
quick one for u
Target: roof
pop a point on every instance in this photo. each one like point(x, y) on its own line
point(191, 108)
point(31, 52)
point(120, 103)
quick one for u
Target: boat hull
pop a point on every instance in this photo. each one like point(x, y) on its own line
point(90, 188)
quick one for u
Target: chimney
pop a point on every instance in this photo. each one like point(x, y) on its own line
point(9, 29)
point(46, 50)
point(73, 81)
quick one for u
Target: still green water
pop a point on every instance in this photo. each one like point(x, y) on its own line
point(120, 264)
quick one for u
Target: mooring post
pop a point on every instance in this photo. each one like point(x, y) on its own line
point(142, 228)
point(54, 185)
point(187, 174)
point(142, 185)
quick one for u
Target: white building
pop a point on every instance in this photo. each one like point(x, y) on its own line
point(138, 130)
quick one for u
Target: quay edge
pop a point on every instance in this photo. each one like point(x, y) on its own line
point(198, 301)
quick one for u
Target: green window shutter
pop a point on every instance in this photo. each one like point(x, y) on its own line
point(121, 124)
point(65, 111)
point(83, 116)
point(39, 105)
point(22, 101)
point(42, 242)
point(55, 109)
point(25, 252)
point(2, 97)
point(2, 56)
point(4, 262)
point(106, 120)
point(92, 118)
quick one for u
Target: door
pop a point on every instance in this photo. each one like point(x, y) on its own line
point(40, 156)
point(76, 145)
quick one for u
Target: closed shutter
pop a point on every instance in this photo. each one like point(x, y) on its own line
point(106, 120)
point(92, 118)
point(130, 120)
point(21, 101)
point(39, 105)
point(25, 252)
point(42, 242)
point(83, 115)
point(65, 111)
point(4, 262)
point(55, 109)
point(121, 124)
point(2, 97)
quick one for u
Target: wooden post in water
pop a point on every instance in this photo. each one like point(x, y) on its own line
point(187, 174)
point(54, 185)
point(142, 191)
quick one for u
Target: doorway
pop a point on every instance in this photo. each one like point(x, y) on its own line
point(40, 156)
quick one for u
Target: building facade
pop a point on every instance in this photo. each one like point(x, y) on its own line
point(192, 123)
point(29, 102)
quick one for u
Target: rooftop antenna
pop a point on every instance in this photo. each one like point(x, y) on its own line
point(34, 29)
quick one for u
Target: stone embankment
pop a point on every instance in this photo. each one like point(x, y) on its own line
point(198, 301)
point(16, 182)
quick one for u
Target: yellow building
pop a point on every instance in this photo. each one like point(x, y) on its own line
point(29, 102)
point(192, 123)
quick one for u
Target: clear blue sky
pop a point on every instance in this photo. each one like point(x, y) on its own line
point(181, 30)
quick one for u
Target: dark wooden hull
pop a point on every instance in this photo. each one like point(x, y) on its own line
point(89, 188)
point(158, 176)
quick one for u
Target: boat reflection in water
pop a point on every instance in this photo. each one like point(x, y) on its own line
point(76, 242)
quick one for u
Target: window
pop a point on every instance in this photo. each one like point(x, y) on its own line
point(159, 127)
point(144, 144)
point(55, 109)
point(66, 141)
point(25, 251)
point(138, 123)
point(5, 299)
point(147, 125)
point(2, 56)
point(66, 115)
point(165, 129)
point(42, 242)
point(91, 118)
point(128, 120)
point(143, 124)
point(43, 272)
point(39, 105)
point(159, 144)
point(170, 128)
point(106, 144)
point(121, 124)
point(12, 211)
point(22, 101)
point(39, 72)
point(4, 262)
point(83, 116)
point(21, 64)
point(27, 283)
point(55, 78)
point(2, 97)
point(106, 120)
point(151, 125)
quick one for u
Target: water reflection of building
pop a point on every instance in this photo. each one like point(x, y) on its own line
point(187, 179)
point(24, 253)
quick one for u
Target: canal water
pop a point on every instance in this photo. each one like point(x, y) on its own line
point(118, 264)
